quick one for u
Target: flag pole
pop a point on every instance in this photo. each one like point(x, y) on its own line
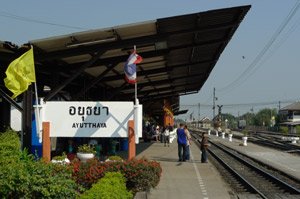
point(135, 84)
point(37, 110)
point(37, 114)
point(136, 108)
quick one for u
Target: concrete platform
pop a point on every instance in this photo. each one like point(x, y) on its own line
point(283, 161)
point(179, 180)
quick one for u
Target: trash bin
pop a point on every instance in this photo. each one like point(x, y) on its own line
point(98, 150)
point(113, 147)
point(124, 144)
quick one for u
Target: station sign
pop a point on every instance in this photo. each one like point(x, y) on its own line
point(88, 119)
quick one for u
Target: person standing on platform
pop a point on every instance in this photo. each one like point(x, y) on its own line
point(170, 127)
point(157, 133)
point(166, 136)
point(181, 141)
point(188, 142)
point(203, 147)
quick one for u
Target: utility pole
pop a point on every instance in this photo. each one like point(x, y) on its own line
point(219, 118)
point(198, 124)
point(214, 103)
point(198, 111)
point(220, 111)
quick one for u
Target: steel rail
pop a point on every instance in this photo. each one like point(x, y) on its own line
point(240, 178)
point(275, 179)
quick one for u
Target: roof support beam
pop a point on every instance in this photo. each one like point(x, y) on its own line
point(94, 82)
point(162, 96)
point(160, 70)
point(166, 95)
point(117, 91)
point(171, 80)
point(11, 101)
point(173, 88)
point(79, 72)
point(118, 59)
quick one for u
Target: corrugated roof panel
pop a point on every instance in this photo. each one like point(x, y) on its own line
point(154, 62)
point(217, 17)
point(113, 52)
point(180, 40)
point(177, 23)
point(199, 68)
point(76, 59)
point(115, 83)
point(139, 30)
point(294, 106)
point(96, 71)
point(202, 53)
point(179, 56)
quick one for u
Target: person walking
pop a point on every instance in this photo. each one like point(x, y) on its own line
point(188, 142)
point(181, 141)
point(203, 147)
point(166, 136)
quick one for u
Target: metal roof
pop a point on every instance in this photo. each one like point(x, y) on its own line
point(292, 107)
point(178, 53)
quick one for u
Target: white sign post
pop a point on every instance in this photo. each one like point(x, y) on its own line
point(138, 122)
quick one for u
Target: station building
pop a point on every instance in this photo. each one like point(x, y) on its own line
point(290, 117)
point(179, 53)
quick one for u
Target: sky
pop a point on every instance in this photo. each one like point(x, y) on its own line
point(258, 69)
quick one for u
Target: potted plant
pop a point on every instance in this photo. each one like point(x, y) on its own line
point(85, 152)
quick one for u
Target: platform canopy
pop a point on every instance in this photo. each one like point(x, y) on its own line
point(178, 53)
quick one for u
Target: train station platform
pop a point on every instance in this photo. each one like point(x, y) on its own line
point(282, 161)
point(191, 179)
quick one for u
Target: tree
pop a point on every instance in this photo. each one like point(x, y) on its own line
point(231, 120)
point(264, 116)
point(250, 118)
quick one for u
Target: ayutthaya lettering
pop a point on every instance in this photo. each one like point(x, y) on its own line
point(89, 110)
point(83, 112)
point(89, 125)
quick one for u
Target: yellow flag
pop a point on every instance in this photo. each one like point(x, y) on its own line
point(20, 73)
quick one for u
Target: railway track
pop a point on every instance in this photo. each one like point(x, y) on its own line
point(275, 142)
point(272, 140)
point(248, 178)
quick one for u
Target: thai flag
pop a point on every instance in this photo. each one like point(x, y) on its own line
point(130, 67)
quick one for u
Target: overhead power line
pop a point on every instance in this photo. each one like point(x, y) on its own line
point(279, 43)
point(243, 104)
point(247, 73)
point(20, 18)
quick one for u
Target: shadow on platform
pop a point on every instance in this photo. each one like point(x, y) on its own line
point(142, 146)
